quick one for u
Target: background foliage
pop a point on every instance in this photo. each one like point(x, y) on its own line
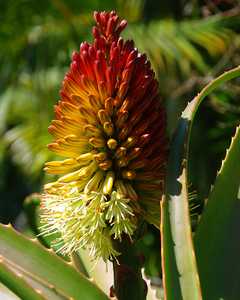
point(188, 43)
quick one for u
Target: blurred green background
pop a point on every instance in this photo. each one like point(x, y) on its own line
point(187, 42)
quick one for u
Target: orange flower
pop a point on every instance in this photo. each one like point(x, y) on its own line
point(110, 126)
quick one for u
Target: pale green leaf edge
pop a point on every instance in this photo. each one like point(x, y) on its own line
point(188, 284)
point(217, 248)
point(45, 264)
point(41, 284)
point(17, 284)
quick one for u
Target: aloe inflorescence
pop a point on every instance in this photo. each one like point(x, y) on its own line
point(110, 127)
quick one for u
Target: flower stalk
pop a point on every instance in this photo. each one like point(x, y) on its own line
point(128, 281)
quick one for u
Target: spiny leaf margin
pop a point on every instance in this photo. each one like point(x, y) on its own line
point(45, 264)
point(216, 239)
point(176, 201)
point(17, 284)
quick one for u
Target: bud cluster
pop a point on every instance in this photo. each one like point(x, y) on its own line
point(110, 127)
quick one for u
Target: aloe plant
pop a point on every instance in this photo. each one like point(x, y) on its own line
point(194, 264)
point(34, 272)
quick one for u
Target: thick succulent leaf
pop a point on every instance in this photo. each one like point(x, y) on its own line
point(41, 263)
point(217, 238)
point(178, 259)
point(17, 284)
point(47, 291)
point(7, 294)
point(78, 263)
point(180, 274)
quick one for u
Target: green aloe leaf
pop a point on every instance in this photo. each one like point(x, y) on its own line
point(217, 237)
point(45, 265)
point(79, 264)
point(47, 290)
point(180, 274)
point(7, 294)
point(17, 284)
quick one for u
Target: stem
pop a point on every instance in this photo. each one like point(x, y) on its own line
point(128, 281)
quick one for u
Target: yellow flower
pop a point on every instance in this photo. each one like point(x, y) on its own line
point(110, 127)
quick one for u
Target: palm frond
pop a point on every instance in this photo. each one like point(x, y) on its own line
point(132, 10)
point(27, 117)
point(175, 46)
